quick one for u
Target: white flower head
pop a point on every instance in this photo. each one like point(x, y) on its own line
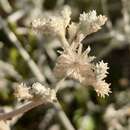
point(101, 70)
point(102, 88)
point(53, 24)
point(90, 22)
point(22, 92)
point(40, 91)
point(75, 64)
point(88, 17)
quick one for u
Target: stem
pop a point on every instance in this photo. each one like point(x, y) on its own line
point(47, 119)
point(21, 110)
point(59, 83)
point(64, 42)
point(62, 115)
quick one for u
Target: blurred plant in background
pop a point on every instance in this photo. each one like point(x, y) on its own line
point(29, 57)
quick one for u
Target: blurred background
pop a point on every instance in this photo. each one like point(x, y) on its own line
point(28, 57)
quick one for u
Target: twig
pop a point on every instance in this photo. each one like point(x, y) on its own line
point(21, 110)
point(59, 84)
point(47, 118)
point(64, 42)
point(62, 115)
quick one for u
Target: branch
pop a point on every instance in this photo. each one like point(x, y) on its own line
point(21, 110)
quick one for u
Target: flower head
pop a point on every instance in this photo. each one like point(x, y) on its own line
point(90, 22)
point(53, 24)
point(75, 64)
point(102, 88)
point(101, 70)
point(22, 92)
point(50, 25)
point(40, 91)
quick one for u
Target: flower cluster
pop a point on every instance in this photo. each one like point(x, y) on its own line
point(36, 91)
point(73, 61)
point(78, 65)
